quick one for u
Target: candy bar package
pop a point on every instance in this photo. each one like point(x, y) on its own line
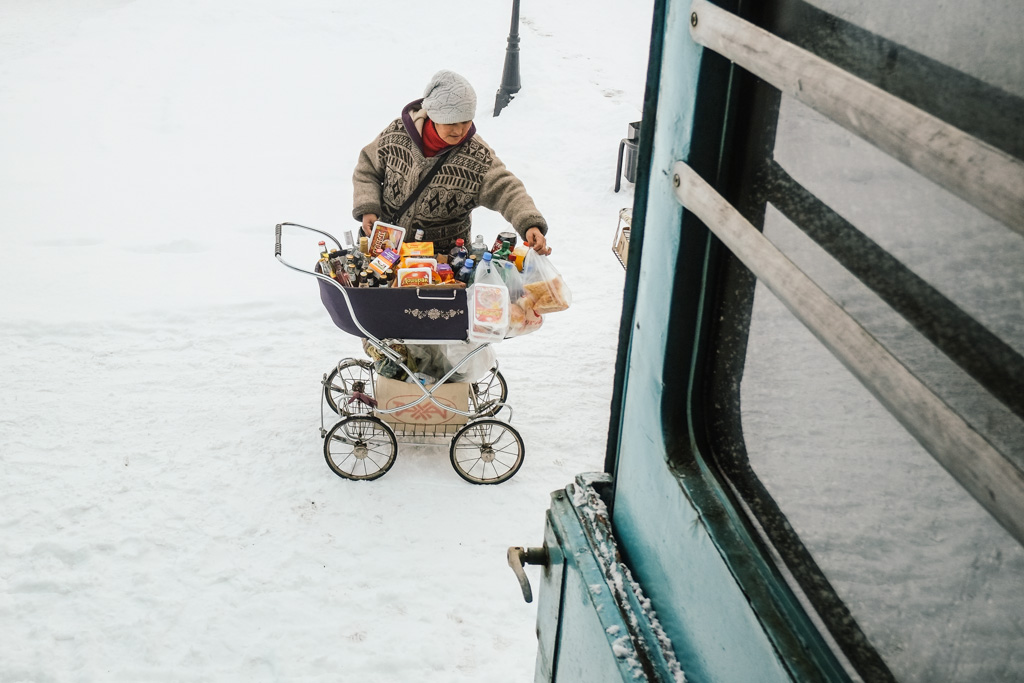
point(383, 233)
point(544, 286)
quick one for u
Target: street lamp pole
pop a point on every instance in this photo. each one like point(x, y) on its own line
point(510, 84)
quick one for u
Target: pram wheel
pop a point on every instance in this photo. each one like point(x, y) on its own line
point(360, 447)
point(487, 452)
point(349, 377)
point(489, 394)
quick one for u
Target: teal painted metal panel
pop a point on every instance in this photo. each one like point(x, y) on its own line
point(604, 630)
point(549, 602)
point(716, 634)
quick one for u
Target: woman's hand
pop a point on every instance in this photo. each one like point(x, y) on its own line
point(368, 220)
point(535, 239)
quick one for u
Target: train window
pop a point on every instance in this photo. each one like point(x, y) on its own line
point(909, 573)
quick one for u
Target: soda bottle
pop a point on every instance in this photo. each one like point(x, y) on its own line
point(457, 256)
point(465, 273)
point(504, 251)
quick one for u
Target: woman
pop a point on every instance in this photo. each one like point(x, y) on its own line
point(437, 134)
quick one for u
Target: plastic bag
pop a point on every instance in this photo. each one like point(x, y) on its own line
point(544, 285)
point(428, 362)
point(521, 317)
point(476, 367)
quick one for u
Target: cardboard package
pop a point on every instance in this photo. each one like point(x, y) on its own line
point(425, 416)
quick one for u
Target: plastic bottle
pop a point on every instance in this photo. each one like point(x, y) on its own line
point(419, 234)
point(477, 249)
point(488, 302)
point(504, 251)
point(457, 256)
point(465, 273)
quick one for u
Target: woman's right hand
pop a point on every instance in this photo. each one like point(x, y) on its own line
point(368, 220)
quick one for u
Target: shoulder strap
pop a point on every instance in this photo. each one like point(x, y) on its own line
point(419, 189)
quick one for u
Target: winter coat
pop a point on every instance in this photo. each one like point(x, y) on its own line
point(390, 168)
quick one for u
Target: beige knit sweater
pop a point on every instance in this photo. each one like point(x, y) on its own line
point(390, 168)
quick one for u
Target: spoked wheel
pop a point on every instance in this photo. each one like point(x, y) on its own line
point(350, 377)
point(489, 393)
point(487, 452)
point(360, 447)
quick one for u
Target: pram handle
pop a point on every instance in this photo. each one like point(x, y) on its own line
point(421, 295)
point(277, 234)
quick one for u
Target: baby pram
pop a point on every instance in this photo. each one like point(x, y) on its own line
point(363, 443)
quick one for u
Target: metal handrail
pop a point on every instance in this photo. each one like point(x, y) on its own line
point(978, 173)
point(995, 482)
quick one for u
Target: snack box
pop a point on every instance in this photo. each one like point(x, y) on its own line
point(414, 277)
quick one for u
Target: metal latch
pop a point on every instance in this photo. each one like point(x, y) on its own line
point(517, 557)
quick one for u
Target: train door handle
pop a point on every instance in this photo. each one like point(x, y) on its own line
point(519, 556)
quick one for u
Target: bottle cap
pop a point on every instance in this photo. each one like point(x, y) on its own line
point(487, 256)
point(459, 242)
point(469, 262)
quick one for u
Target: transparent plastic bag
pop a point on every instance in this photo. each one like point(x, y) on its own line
point(427, 360)
point(544, 285)
point(521, 318)
point(477, 366)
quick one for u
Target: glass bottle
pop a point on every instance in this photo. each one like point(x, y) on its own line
point(325, 260)
point(477, 249)
point(364, 278)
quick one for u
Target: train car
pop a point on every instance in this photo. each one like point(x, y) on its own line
point(816, 445)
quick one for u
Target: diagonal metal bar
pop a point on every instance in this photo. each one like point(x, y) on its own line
point(981, 469)
point(975, 171)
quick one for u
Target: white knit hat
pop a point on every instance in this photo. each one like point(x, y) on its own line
point(449, 98)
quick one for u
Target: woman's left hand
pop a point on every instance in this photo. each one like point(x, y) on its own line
point(535, 239)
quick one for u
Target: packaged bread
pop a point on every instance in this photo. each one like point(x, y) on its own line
point(543, 284)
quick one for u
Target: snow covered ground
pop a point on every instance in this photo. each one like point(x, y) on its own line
point(167, 512)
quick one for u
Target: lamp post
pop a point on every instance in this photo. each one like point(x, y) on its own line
point(510, 74)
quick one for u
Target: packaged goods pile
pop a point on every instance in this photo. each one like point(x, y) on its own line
point(507, 288)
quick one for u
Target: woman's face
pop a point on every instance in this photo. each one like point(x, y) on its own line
point(452, 133)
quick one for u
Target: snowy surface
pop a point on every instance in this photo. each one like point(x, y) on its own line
point(167, 512)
